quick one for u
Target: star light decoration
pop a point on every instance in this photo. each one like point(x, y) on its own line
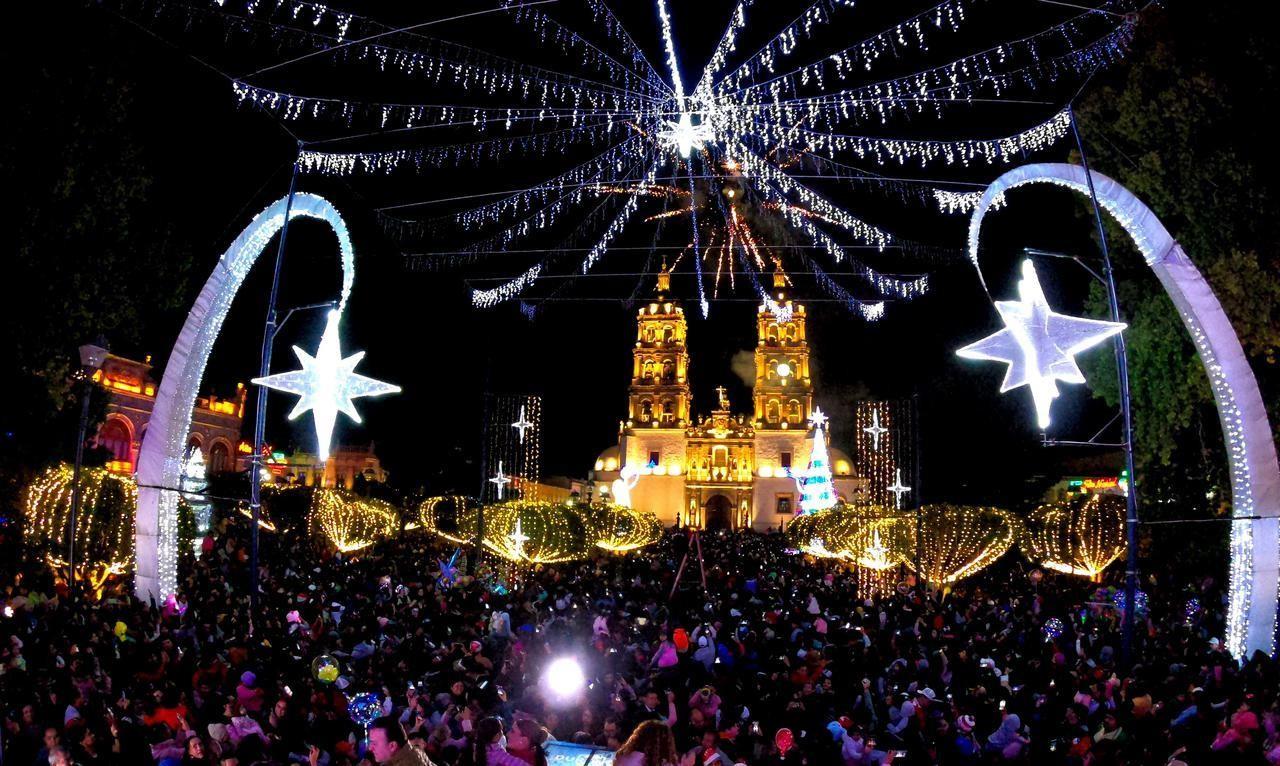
point(522, 424)
point(818, 418)
point(518, 538)
point(875, 430)
point(1038, 344)
point(761, 119)
point(327, 384)
point(500, 480)
point(897, 488)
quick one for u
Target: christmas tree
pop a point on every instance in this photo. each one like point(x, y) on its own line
point(816, 490)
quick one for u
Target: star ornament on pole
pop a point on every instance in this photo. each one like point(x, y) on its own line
point(875, 430)
point(517, 539)
point(522, 424)
point(327, 384)
point(1038, 344)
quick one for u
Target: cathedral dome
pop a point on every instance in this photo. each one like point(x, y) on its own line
point(610, 460)
point(840, 463)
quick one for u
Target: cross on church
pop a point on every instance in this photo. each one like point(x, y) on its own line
point(724, 397)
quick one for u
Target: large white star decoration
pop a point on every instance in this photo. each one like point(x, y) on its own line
point(327, 384)
point(500, 479)
point(1039, 345)
point(898, 488)
point(517, 539)
point(818, 418)
point(875, 429)
point(683, 136)
point(521, 424)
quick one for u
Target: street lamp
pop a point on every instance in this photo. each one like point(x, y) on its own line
point(92, 355)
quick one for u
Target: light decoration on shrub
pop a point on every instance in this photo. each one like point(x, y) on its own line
point(350, 522)
point(430, 511)
point(959, 541)
point(327, 384)
point(548, 532)
point(1080, 537)
point(104, 524)
point(1038, 344)
point(534, 532)
point(618, 529)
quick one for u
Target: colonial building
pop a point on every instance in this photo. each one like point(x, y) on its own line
point(215, 422)
point(344, 465)
point(723, 469)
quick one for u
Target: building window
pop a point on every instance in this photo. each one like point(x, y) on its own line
point(771, 411)
point(646, 410)
point(784, 461)
point(783, 503)
point(793, 412)
point(654, 459)
point(219, 458)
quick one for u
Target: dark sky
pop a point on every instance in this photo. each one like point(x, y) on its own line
point(216, 165)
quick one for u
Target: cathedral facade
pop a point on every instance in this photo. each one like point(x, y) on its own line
point(726, 469)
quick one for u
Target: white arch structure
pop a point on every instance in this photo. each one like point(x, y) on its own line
point(1255, 475)
point(163, 449)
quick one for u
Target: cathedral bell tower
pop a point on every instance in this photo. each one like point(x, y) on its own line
point(783, 391)
point(659, 393)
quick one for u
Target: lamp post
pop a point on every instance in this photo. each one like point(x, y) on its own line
point(92, 355)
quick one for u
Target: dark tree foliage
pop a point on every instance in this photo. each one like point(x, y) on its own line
point(88, 249)
point(1185, 124)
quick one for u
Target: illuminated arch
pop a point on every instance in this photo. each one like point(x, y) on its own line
point(1255, 476)
point(160, 459)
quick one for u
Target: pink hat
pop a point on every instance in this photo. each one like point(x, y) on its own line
point(965, 723)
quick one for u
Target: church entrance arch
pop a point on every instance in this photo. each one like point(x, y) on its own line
point(719, 513)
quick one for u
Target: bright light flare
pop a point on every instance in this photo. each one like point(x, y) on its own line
point(564, 679)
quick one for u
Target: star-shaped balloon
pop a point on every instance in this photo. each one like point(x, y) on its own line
point(1038, 344)
point(327, 384)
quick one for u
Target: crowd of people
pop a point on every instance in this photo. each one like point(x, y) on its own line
point(780, 660)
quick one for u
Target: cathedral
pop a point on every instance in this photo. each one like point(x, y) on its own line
point(724, 470)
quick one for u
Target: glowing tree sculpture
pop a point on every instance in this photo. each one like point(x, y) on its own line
point(350, 522)
point(816, 490)
point(960, 541)
point(1080, 537)
point(104, 526)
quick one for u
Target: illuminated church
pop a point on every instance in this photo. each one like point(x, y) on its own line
point(723, 470)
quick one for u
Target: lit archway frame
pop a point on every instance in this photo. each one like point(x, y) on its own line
point(1255, 476)
point(161, 457)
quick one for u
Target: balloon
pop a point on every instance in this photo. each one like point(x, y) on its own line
point(364, 708)
point(325, 668)
point(784, 740)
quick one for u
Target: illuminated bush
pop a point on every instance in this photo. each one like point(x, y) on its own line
point(350, 522)
point(1080, 537)
point(617, 528)
point(104, 525)
point(959, 541)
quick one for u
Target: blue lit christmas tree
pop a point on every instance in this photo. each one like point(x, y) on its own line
point(816, 490)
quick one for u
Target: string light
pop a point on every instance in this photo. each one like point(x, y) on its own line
point(748, 116)
point(959, 541)
point(1081, 537)
point(350, 522)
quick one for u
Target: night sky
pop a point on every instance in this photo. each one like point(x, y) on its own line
point(216, 165)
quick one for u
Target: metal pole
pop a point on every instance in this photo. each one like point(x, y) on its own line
point(260, 414)
point(86, 388)
point(1122, 374)
point(477, 543)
